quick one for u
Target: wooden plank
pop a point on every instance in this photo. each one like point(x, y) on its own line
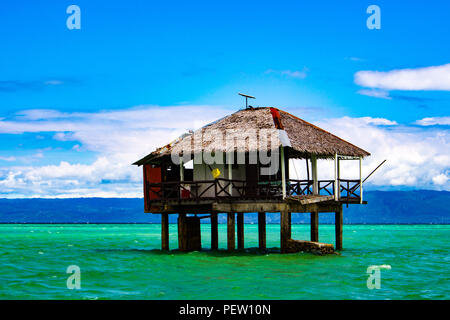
point(315, 226)
point(231, 241)
point(164, 231)
point(240, 230)
point(214, 232)
point(316, 199)
point(309, 199)
point(291, 206)
point(262, 230)
point(284, 230)
point(338, 228)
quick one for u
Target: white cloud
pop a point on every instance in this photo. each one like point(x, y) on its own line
point(377, 121)
point(8, 158)
point(375, 93)
point(440, 179)
point(290, 73)
point(119, 137)
point(428, 78)
point(432, 121)
point(54, 82)
point(417, 156)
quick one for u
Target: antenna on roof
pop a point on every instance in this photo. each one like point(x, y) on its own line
point(246, 99)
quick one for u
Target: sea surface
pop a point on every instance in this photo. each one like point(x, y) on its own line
point(124, 262)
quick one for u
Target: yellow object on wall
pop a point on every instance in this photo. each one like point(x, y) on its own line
point(215, 173)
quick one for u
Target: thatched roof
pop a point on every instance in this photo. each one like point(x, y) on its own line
point(304, 138)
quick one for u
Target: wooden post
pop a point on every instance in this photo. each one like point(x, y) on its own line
point(189, 233)
point(231, 242)
point(262, 230)
point(338, 227)
point(283, 172)
point(164, 231)
point(336, 177)
point(315, 226)
point(181, 232)
point(360, 180)
point(314, 174)
point(240, 230)
point(230, 177)
point(181, 170)
point(339, 178)
point(285, 229)
point(289, 223)
point(214, 232)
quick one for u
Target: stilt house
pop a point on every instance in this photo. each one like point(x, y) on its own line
point(240, 164)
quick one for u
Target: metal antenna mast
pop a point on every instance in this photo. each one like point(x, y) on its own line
point(246, 96)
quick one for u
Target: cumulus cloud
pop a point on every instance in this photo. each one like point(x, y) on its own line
point(418, 156)
point(118, 137)
point(433, 121)
point(428, 78)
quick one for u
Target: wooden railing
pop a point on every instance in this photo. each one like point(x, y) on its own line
point(348, 190)
point(219, 189)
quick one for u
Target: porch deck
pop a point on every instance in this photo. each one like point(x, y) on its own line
point(210, 195)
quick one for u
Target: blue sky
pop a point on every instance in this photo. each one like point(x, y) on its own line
point(74, 101)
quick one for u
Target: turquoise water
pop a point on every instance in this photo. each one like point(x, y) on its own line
point(122, 262)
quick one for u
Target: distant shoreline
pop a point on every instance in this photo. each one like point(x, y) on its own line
point(132, 223)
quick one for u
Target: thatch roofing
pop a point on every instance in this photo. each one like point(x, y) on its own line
point(305, 138)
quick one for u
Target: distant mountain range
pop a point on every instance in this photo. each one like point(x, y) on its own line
point(384, 207)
